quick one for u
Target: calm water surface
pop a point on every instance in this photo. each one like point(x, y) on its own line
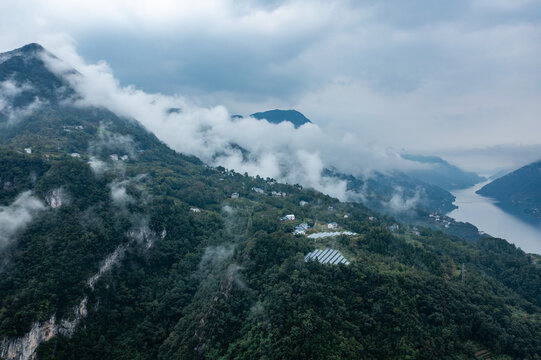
point(483, 213)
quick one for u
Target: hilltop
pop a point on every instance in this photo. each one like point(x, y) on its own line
point(278, 116)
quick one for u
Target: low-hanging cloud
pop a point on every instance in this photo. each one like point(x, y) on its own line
point(274, 150)
point(400, 202)
point(404, 74)
point(9, 90)
point(17, 215)
point(112, 142)
point(119, 193)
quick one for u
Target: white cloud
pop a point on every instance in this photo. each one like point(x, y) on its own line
point(18, 215)
point(409, 75)
point(400, 203)
point(9, 90)
point(119, 193)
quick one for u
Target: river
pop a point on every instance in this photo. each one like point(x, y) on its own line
point(483, 213)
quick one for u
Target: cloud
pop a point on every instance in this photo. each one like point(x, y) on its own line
point(17, 215)
point(400, 203)
point(397, 74)
point(119, 191)
point(119, 194)
point(111, 142)
point(9, 90)
point(273, 150)
point(98, 166)
point(215, 256)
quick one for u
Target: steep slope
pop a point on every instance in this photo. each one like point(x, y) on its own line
point(441, 173)
point(277, 116)
point(130, 250)
point(519, 190)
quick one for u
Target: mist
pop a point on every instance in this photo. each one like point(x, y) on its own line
point(277, 151)
point(16, 216)
point(9, 90)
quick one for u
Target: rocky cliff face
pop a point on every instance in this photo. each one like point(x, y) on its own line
point(24, 348)
point(55, 198)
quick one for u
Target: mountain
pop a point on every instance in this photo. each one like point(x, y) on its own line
point(114, 246)
point(397, 194)
point(440, 173)
point(278, 116)
point(518, 191)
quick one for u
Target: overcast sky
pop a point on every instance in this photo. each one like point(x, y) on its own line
point(460, 79)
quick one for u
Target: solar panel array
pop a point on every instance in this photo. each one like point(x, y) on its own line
point(330, 234)
point(327, 256)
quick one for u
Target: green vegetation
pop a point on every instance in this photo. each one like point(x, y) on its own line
point(230, 281)
point(518, 192)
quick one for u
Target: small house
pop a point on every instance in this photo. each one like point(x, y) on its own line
point(235, 195)
point(195, 210)
point(28, 150)
point(304, 226)
point(332, 225)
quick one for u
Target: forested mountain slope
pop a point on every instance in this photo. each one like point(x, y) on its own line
point(440, 173)
point(114, 246)
point(519, 190)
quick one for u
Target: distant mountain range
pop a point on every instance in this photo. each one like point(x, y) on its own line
point(278, 116)
point(519, 190)
point(440, 173)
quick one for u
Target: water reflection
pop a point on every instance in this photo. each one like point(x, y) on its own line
point(483, 213)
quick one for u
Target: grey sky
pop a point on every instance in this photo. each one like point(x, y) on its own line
point(455, 78)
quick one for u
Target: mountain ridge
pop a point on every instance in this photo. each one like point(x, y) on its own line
point(441, 173)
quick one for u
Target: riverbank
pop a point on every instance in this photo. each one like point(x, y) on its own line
point(484, 213)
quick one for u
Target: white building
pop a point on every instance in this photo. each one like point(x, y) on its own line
point(28, 150)
point(290, 217)
point(235, 196)
point(332, 225)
